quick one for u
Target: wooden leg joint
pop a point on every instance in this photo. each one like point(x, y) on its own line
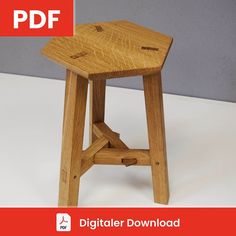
point(94, 148)
point(129, 162)
point(101, 129)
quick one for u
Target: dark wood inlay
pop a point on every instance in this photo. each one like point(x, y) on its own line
point(99, 28)
point(129, 162)
point(150, 48)
point(78, 55)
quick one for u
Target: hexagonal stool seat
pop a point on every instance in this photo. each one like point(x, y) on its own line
point(98, 52)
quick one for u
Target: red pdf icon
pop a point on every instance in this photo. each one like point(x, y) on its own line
point(36, 18)
point(63, 220)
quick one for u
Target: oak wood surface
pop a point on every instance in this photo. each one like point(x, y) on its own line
point(86, 165)
point(106, 50)
point(72, 140)
point(156, 133)
point(68, 74)
point(101, 129)
point(114, 156)
point(94, 148)
point(97, 105)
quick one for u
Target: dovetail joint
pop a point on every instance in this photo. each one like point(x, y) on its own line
point(78, 55)
point(129, 162)
point(150, 48)
point(99, 28)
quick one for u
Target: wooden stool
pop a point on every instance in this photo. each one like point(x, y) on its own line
point(98, 52)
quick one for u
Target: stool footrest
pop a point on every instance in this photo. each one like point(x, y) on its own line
point(115, 156)
point(129, 161)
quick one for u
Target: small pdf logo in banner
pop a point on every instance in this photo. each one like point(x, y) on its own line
point(63, 222)
point(37, 18)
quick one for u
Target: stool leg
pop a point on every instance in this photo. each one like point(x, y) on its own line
point(97, 104)
point(72, 140)
point(156, 133)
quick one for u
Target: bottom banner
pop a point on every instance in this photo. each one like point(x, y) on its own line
point(117, 221)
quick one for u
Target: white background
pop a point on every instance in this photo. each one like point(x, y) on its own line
point(201, 143)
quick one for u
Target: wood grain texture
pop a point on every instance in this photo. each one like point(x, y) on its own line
point(101, 129)
point(97, 105)
point(94, 148)
point(68, 74)
point(107, 50)
point(114, 156)
point(86, 165)
point(72, 140)
point(156, 133)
